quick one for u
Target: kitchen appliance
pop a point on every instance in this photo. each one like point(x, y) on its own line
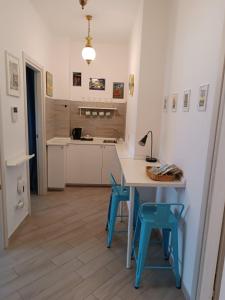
point(76, 133)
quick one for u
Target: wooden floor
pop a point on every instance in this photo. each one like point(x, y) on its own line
point(60, 253)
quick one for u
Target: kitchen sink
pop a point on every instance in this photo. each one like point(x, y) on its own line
point(110, 141)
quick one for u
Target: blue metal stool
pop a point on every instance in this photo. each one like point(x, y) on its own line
point(119, 194)
point(157, 216)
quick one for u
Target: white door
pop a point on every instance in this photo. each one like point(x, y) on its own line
point(84, 163)
point(110, 164)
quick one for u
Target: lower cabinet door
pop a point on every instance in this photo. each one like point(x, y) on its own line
point(84, 164)
point(110, 164)
point(56, 167)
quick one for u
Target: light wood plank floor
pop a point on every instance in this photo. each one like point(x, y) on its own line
point(60, 253)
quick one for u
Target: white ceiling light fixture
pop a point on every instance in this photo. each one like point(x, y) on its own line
point(83, 3)
point(88, 52)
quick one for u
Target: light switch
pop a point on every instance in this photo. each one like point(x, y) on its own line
point(14, 114)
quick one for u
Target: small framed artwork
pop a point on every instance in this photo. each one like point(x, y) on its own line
point(118, 90)
point(77, 79)
point(49, 84)
point(165, 104)
point(174, 102)
point(97, 84)
point(131, 84)
point(186, 100)
point(203, 96)
point(12, 75)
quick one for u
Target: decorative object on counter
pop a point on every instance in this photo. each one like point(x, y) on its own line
point(12, 75)
point(87, 138)
point(97, 84)
point(88, 52)
point(142, 142)
point(83, 3)
point(186, 100)
point(203, 96)
point(164, 173)
point(77, 79)
point(165, 104)
point(77, 133)
point(118, 90)
point(174, 102)
point(49, 84)
point(131, 84)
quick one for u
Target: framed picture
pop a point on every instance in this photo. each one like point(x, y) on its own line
point(174, 102)
point(12, 75)
point(49, 84)
point(77, 80)
point(97, 84)
point(118, 90)
point(203, 96)
point(165, 104)
point(131, 84)
point(186, 100)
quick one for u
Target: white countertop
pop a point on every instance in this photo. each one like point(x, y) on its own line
point(134, 171)
point(63, 141)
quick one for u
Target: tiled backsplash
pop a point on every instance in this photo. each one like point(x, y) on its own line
point(64, 115)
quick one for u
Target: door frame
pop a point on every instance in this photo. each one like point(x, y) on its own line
point(3, 209)
point(212, 210)
point(40, 124)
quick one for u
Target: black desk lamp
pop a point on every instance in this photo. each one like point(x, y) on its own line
point(142, 142)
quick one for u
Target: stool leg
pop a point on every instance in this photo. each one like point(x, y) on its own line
point(166, 236)
point(109, 209)
point(142, 252)
point(136, 235)
point(112, 220)
point(175, 257)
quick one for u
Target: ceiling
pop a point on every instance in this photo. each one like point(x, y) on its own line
point(112, 19)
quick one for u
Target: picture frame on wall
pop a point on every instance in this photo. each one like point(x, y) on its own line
point(131, 84)
point(165, 104)
point(203, 97)
point(186, 100)
point(174, 102)
point(12, 75)
point(77, 79)
point(97, 84)
point(49, 84)
point(118, 90)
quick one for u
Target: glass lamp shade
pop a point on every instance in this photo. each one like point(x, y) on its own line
point(88, 54)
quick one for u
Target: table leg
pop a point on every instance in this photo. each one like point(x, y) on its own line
point(121, 203)
point(130, 225)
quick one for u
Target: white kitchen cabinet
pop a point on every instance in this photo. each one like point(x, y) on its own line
point(84, 164)
point(110, 164)
point(56, 166)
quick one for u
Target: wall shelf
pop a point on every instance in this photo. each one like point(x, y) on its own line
point(96, 109)
point(19, 160)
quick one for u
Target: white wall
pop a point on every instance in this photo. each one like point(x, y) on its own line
point(147, 61)
point(193, 54)
point(111, 63)
point(21, 29)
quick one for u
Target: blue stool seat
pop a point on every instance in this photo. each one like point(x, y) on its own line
point(162, 216)
point(118, 195)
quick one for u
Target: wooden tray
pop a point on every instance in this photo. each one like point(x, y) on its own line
point(159, 177)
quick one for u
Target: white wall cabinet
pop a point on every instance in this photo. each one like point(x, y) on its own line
point(56, 167)
point(82, 164)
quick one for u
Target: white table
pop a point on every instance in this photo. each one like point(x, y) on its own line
point(134, 174)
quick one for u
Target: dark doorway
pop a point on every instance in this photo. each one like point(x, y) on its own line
point(32, 134)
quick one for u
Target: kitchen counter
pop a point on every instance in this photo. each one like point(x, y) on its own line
point(61, 141)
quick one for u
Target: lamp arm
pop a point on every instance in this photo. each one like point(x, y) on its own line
point(151, 140)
